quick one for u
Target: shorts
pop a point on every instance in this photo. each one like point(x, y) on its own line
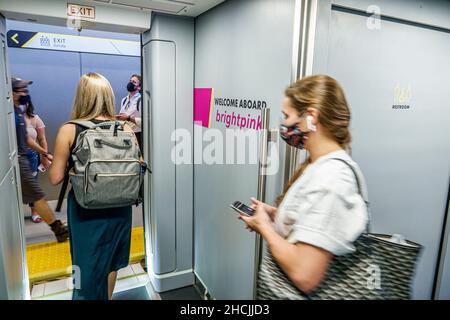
point(34, 159)
point(31, 191)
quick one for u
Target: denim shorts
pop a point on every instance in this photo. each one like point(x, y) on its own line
point(34, 160)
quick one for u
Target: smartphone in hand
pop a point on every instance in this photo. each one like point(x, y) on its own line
point(242, 208)
point(42, 168)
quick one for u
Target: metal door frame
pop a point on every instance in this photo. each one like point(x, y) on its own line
point(303, 45)
point(310, 56)
point(26, 294)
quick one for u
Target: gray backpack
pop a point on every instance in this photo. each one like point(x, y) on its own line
point(107, 171)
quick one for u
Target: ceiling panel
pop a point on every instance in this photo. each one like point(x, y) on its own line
point(164, 6)
point(191, 8)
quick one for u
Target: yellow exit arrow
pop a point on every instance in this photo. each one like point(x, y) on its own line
point(13, 38)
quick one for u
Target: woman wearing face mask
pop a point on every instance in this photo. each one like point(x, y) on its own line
point(320, 213)
point(31, 191)
point(35, 130)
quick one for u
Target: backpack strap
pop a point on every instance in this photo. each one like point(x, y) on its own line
point(84, 123)
point(138, 103)
point(122, 103)
point(62, 192)
point(91, 125)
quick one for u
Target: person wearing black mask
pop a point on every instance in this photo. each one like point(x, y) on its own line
point(130, 107)
point(35, 130)
point(31, 191)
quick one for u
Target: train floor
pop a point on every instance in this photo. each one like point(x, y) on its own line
point(40, 232)
point(49, 263)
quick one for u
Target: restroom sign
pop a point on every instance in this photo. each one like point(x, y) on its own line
point(75, 10)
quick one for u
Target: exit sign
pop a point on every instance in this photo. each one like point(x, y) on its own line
point(75, 10)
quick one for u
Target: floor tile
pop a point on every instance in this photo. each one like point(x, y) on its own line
point(127, 283)
point(38, 290)
point(143, 278)
point(137, 269)
point(125, 272)
point(59, 296)
point(57, 286)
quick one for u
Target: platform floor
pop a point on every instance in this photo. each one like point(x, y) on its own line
point(130, 281)
point(50, 260)
point(49, 265)
point(40, 232)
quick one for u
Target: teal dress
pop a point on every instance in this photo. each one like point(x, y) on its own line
point(99, 244)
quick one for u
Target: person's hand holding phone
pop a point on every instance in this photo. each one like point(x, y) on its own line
point(260, 220)
point(46, 162)
point(272, 211)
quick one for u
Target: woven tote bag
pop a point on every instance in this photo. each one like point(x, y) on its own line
point(378, 269)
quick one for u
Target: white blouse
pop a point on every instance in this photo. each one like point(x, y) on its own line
point(130, 107)
point(323, 207)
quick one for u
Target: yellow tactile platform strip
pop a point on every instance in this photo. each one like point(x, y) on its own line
point(50, 260)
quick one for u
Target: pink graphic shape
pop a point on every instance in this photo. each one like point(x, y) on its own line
point(203, 106)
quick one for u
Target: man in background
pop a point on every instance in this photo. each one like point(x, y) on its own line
point(130, 106)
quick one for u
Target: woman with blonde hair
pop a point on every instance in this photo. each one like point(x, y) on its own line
point(321, 212)
point(99, 238)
